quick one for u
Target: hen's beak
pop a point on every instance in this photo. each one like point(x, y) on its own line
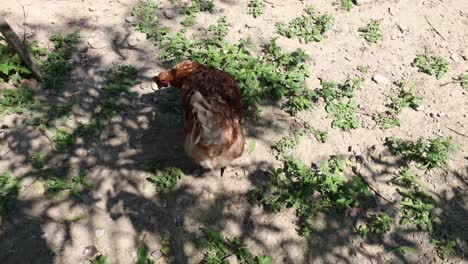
point(222, 171)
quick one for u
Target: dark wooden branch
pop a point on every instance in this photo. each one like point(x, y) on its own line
point(13, 40)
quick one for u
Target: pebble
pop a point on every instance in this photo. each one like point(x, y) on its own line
point(131, 20)
point(96, 43)
point(81, 47)
point(232, 259)
point(89, 252)
point(91, 9)
point(156, 254)
point(420, 108)
point(132, 42)
point(169, 13)
point(455, 57)
point(99, 232)
point(380, 79)
point(361, 2)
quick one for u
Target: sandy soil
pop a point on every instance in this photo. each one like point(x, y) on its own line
point(123, 206)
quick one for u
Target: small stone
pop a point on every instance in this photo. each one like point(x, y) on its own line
point(89, 252)
point(420, 108)
point(361, 2)
point(132, 42)
point(396, 197)
point(221, 10)
point(91, 9)
point(96, 43)
point(455, 57)
point(99, 232)
point(380, 79)
point(432, 115)
point(156, 254)
point(81, 47)
point(169, 13)
point(232, 259)
point(131, 20)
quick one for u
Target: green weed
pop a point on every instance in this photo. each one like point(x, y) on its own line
point(62, 139)
point(309, 27)
point(38, 159)
point(309, 191)
point(463, 80)
point(101, 259)
point(377, 224)
point(251, 147)
point(76, 218)
point(430, 153)
point(11, 66)
point(432, 65)
point(194, 8)
point(142, 255)
point(320, 135)
point(119, 79)
point(339, 103)
point(76, 185)
point(18, 101)
point(9, 187)
point(147, 22)
point(345, 4)
point(58, 65)
point(406, 98)
point(362, 69)
point(371, 32)
point(216, 249)
point(386, 120)
point(408, 179)
point(288, 143)
point(256, 8)
point(167, 179)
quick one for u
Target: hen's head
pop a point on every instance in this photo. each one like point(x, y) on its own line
point(176, 74)
point(164, 79)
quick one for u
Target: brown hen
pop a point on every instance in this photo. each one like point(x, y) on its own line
point(212, 113)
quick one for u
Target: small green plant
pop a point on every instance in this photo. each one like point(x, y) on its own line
point(406, 98)
point(463, 80)
point(256, 8)
point(147, 22)
point(9, 187)
point(193, 9)
point(18, 101)
point(58, 63)
point(371, 32)
point(216, 249)
point(362, 69)
point(62, 139)
point(311, 191)
point(386, 120)
point(101, 259)
point(119, 79)
point(251, 147)
point(430, 153)
point(38, 159)
point(167, 179)
point(339, 103)
point(288, 143)
point(320, 135)
point(408, 179)
point(432, 65)
point(344, 114)
point(142, 255)
point(76, 185)
point(345, 4)
point(309, 27)
point(377, 224)
point(417, 209)
point(75, 218)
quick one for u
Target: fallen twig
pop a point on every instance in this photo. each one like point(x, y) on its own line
point(453, 130)
point(436, 31)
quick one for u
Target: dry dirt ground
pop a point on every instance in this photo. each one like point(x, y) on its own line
point(122, 205)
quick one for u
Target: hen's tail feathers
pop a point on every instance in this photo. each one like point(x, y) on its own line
point(206, 126)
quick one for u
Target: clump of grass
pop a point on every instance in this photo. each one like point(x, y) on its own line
point(58, 65)
point(76, 185)
point(406, 98)
point(194, 8)
point(167, 179)
point(345, 4)
point(463, 80)
point(432, 65)
point(288, 143)
point(142, 255)
point(408, 179)
point(386, 120)
point(340, 104)
point(377, 224)
point(101, 259)
point(9, 187)
point(216, 249)
point(320, 135)
point(308, 28)
point(18, 101)
point(147, 20)
point(38, 159)
point(311, 191)
point(62, 139)
point(430, 153)
point(256, 8)
point(119, 79)
point(371, 32)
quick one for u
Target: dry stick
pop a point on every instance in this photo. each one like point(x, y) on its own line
point(459, 133)
point(373, 189)
point(13, 40)
point(436, 31)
